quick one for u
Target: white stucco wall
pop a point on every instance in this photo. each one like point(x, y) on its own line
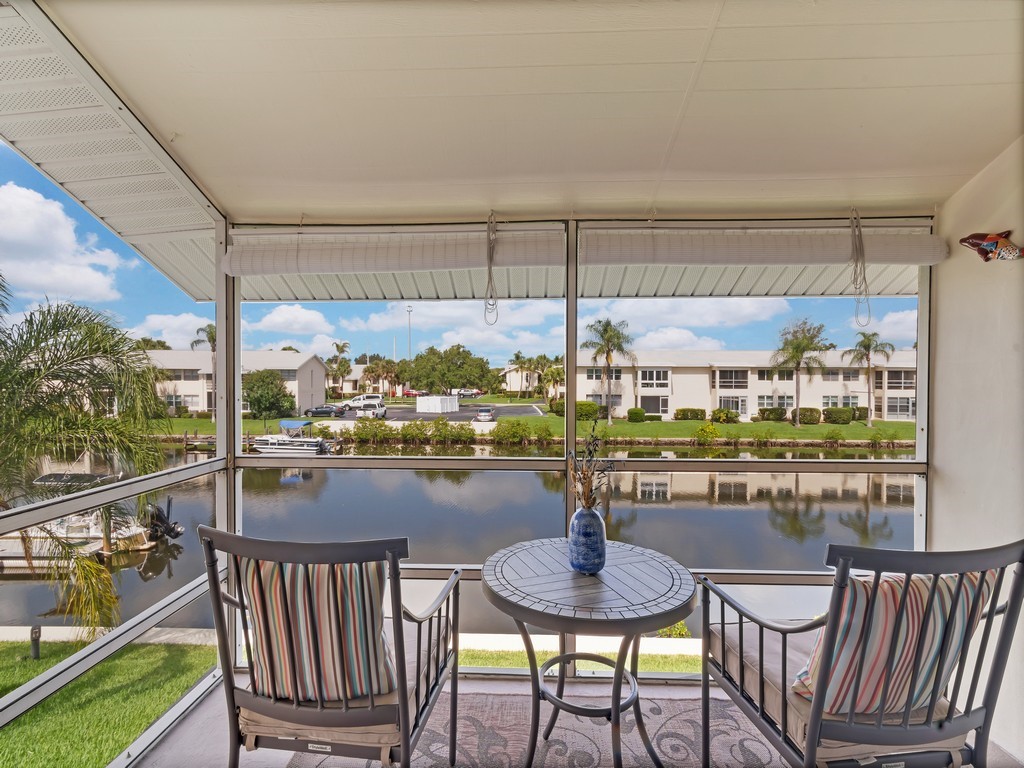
point(976, 489)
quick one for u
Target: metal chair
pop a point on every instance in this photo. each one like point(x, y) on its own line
point(906, 663)
point(328, 672)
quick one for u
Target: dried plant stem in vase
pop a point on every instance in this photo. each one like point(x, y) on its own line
point(587, 476)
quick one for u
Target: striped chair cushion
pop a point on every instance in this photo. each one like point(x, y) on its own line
point(918, 618)
point(339, 620)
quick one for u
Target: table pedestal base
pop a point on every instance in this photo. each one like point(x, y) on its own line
point(613, 712)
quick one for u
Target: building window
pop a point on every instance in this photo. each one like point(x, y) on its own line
point(901, 380)
point(901, 408)
point(878, 379)
point(850, 494)
point(654, 404)
point(593, 374)
point(596, 374)
point(764, 374)
point(599, 399)
point(653, 378)
point(732, 379)
point(786, 375)
point(653, 490)
point(733, 403)
point(851, 374)
point(784, 401)
point(290, 375)
point(830, 401)
point(615, 374)
point(765, 401)
point(190, 374)
point(173, 401)
point(849, 401)
point(831, 374)
point(595, 398)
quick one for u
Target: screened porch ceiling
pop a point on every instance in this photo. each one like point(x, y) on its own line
point(361, 146)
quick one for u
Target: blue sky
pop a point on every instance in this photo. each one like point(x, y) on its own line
point(51, 250)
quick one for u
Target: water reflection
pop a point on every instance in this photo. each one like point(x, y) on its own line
point(759, 521)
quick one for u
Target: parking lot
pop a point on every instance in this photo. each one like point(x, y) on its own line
point(467, 410)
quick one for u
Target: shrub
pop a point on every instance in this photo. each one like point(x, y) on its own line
point(706, 434)
point(558, 408)
point(690, 414)
point(772, 414)
point(763, 437)
point(373, 431)
point(652, 417)
point(543, 433)
point(807, 416)
point(414, 432)
point(181, 411)
point(444, 432)
point(677, 630)
point(833, 438)
point(322, 430)
point(587, 410)
point(860, 413)
point(511, 432)
point(725, 416)
point(836, 415)
point(635, 415)
point(755, 419)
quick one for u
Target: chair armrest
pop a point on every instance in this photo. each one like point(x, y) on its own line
point(433, 608)
point(775, 626)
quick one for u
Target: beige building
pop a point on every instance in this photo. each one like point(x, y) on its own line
point(189, 379)
point(665, 380)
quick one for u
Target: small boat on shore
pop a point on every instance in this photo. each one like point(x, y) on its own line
point(291, 442)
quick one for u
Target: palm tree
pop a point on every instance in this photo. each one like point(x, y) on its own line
point(519, 361)
point(552, 379)
point(799, 345)
point(61, 368)
point(208, 335)
point(607, 340)
point(867, 345)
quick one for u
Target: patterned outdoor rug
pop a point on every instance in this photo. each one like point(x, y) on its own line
point(493, 731)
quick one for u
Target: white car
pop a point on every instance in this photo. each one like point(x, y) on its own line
point(484, 414)
point(358, 400)
point(369, 409)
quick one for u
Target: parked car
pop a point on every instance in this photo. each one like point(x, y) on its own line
point(371, 410)
point(358, 400)
point(415, 392)
point(484, 414)
point(327, 409)
point(467, 392)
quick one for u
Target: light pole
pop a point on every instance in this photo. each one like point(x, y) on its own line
point(408, 310)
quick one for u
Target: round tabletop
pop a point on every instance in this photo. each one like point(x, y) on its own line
point(638, 590)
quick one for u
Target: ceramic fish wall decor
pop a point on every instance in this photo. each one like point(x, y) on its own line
point(990, 247)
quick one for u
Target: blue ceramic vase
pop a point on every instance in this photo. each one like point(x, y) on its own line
point(586, 541)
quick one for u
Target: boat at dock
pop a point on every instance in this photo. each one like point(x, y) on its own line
point(291, 442)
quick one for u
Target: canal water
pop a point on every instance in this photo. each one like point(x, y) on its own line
point(758, 521)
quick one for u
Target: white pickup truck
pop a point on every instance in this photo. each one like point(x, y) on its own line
point(358, 400)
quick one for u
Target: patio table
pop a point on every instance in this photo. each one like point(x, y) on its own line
point(639, 590)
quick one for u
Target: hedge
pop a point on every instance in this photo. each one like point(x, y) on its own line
point(558, 408)
point(635, 415)
point(807, 416)
point(587, 410)
point(725, 416)
point(836, 415)
point(652, 417)
point(690, 414)
point(772, 414)
point(860, 413)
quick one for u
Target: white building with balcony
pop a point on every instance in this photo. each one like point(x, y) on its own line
point(663, 381)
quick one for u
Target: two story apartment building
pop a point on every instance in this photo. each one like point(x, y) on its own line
point(743, 381)
point(189, 376)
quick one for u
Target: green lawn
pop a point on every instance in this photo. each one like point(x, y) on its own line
point(902, 430)
point(90, 721)
point(649, 662)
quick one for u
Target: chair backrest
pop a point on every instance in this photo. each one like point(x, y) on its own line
point(897, 662)
point(312, 621)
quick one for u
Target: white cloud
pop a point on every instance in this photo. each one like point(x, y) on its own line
point(42, 257)
point(894, 327)
point(704, 312)
point(177, 330)
point(291, 318)
point(675, 338)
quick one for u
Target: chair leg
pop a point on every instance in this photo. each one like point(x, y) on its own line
point(234, 747)
point(453, 720)
point(705, 711)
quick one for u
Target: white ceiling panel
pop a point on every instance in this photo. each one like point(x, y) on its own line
point(164, 116)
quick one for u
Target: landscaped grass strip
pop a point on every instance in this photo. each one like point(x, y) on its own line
point(649, 662)
point(90, 721)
